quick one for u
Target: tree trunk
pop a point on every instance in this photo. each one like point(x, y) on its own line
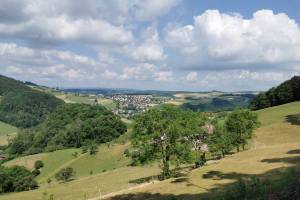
point(238, 148)
point(166, 167)
point(223, 154)
point(166, 159)
point(204, 156)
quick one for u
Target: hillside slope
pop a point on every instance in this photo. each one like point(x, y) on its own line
point(275, 148)
point(23, 106)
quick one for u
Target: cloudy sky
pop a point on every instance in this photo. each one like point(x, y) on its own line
point(197, 45)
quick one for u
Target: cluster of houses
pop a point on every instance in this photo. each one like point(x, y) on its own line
point(128, 105)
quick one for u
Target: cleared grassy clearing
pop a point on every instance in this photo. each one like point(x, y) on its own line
point(72, 98)
point(6, 131)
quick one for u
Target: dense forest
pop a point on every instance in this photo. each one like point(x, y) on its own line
point(286, 92)
point(70, 125)
point(23, 106)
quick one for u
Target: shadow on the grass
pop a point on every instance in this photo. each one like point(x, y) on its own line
point(214, 193)
point(145, 179)
point(178, 173)
point(293, 119)
point(294, 151)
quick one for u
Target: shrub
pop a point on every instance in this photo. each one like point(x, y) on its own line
point(65, 174)
point(36, 172)
point(38, 164)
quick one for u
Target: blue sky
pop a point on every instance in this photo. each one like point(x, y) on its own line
point(196, 45)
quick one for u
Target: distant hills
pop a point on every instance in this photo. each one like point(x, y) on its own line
point(23, 106)
point(222, 102)
point(286, 92)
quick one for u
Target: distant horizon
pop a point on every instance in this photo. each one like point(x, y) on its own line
point(191, 91)
point(137, 89)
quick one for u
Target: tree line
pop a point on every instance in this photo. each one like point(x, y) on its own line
point(286, 92)
point(174, 136)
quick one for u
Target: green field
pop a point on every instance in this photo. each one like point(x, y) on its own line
point(275, 148)
point(6, 131)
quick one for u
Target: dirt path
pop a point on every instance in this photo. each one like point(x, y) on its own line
point(112, 194)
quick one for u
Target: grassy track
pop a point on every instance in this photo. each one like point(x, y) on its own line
point(276, 146)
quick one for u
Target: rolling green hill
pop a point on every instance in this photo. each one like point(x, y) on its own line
point(275, 149)
point(23, 106)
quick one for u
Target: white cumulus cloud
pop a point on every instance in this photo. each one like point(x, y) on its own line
point(220, 40)
point(150, 50)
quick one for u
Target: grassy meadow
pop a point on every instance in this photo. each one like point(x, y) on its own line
point(72, 98)
point(6, 131)
point(274, 149)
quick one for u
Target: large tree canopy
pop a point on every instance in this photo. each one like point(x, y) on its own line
point(240, 124)
point(164, 134)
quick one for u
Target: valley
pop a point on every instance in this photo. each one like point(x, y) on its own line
point(270, 152)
